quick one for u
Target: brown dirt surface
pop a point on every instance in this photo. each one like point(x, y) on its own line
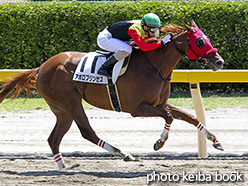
point(25, 157)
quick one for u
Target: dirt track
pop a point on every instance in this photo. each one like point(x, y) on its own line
point(25, 157)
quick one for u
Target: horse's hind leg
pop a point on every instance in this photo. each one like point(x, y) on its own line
point(88, 133)
point(64, 121)
point(63, 124)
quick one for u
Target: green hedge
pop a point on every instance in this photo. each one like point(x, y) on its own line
point(33, 32)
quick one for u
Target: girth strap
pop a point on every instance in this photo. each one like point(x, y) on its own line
point(113, 95)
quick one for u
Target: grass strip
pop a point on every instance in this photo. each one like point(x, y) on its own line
point(210, 102)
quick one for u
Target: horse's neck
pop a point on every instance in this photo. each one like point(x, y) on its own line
point(165, 60)
point(172, 56)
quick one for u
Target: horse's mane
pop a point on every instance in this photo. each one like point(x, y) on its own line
point(170, 28)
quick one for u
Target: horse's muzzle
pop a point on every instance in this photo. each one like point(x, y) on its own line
point(215, 61)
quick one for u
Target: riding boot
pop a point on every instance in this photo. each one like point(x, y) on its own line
point(107, 66)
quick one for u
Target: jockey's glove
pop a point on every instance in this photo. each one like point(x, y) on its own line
point(166, 39)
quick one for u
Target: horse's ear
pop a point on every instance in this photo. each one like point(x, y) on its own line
point(193, 24)
point(188, 28)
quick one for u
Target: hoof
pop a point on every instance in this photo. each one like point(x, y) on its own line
point(129, 157)
point(158, 145)
point(61, 165)
point(218, 146)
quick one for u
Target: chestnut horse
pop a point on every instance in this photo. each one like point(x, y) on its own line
point(143, 91)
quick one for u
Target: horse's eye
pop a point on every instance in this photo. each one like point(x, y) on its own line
point(200, 42)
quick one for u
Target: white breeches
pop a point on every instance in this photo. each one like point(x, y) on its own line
point(108, 43)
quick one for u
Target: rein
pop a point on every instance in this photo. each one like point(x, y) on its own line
point(201, 60)
point(158, 70)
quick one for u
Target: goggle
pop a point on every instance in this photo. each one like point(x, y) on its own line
point(152, 30)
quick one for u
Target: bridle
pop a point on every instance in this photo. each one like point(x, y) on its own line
point(201, 60)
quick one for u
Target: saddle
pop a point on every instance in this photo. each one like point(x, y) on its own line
point(88, 66)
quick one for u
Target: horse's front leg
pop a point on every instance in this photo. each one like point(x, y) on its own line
point(148, 110)
point(163, 137)
point(182, 115)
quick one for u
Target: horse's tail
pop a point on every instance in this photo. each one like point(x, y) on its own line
point(21, 82)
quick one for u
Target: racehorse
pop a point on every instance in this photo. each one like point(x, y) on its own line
point(144, 89)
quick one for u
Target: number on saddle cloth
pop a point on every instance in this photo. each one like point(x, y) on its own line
point(88, 66)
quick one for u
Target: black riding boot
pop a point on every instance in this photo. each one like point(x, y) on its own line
point(107, 66)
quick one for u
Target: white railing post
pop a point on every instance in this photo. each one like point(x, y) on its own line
point(200, 113)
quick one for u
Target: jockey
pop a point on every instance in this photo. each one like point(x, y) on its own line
point(114, 38)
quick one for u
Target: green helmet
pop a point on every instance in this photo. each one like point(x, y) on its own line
point(150, 20)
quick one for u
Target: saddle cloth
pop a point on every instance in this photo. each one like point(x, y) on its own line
point(88, 66)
